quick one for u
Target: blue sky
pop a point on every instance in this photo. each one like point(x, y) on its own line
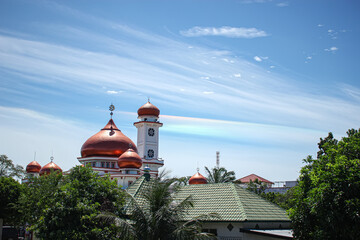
point(260, 81)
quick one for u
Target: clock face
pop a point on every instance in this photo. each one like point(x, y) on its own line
point(151, 132)
point(150, 153)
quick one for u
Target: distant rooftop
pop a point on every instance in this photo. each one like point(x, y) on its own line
point(252, 177)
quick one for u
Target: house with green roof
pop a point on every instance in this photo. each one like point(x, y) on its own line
point(242, 214)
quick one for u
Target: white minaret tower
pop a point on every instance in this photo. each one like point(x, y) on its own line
point(148, 137)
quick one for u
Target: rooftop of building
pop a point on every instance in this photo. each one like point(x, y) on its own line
point(230, 201)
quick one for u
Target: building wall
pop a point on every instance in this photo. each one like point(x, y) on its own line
point(224, 233)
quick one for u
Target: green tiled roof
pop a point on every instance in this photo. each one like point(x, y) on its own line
point(136, 190)
point(230, 201)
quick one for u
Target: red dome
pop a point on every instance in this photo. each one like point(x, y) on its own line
point(148, 109)
point(129, 159)
point(197, 178)
point(47, 168)
point(110, 141)
point(33, 167)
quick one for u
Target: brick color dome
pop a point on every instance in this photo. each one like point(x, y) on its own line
point(129, 159)
point(109, 141)
point(148, 109)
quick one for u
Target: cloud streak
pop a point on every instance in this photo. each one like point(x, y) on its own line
point(225, 31)
point(258, 96)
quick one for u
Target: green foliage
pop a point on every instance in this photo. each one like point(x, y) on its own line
point(8, 169)
point(182, 181)
point(327, 199)
point(284, 200)
point(66, 207)
point(10, 191)
point(256, 186)
point(156, 215)
point(219, 175)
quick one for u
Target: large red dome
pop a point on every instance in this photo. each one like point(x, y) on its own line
point(197, 178)
point(110, 141)
point(33, 167)
point(47, 168)
point(129, 159)
point(148, 109)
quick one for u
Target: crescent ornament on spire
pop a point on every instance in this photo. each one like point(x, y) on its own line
point(111, 108)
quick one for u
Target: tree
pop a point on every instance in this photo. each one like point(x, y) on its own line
point(219, 175)
point(66, 207)
point(10, 191)
point(157, 215)
point(327, 198)
point(8, 169)
point(256, 186)
point(284, 200)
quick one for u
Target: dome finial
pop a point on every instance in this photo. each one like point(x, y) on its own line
point(148, 99)
point(130, 145)
point(111, 108)
point(51, 158)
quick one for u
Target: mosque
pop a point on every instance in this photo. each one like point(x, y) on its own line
point(111, 152)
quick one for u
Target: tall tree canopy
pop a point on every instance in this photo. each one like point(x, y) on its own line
point(327, 199)
point(8, 169)
point(66, 207)
point(219, 175)
point(10, 191)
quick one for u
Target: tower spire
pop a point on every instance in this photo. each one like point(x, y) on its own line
point(111, 108)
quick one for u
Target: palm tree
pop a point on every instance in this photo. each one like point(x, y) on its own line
point(157, 215)
point(219, 175)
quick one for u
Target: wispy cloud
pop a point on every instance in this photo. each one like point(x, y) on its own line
point(225, 31)
point(282, 4)
point(331, 49)
point(255, 93)
point(237, 75)
point(260, 59)
point(113, 92)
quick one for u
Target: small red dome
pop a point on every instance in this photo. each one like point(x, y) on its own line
point(33, 167)
point(148, 109)
point(129, 159)
point(47, 168)
point(197, 178)
point(110, 141)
